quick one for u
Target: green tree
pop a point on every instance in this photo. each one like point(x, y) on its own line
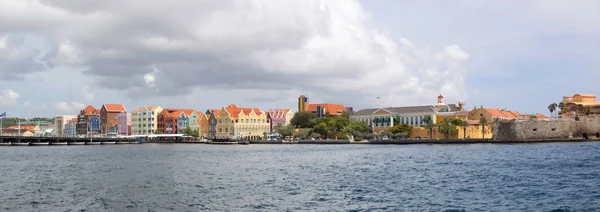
point(195, 133)
point(429, 125)
point(187, 131)
point(483, 123)
point(552, 108)
point(321, 128)
point(303, 119)
point(447, 127)
point(356, 129)
point(400, 129)
point(337, 123)
point(287, 130)
point(562, 107)
point(303, 133)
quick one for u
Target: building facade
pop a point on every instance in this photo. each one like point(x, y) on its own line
point(185, 119)
point(124, 123)
point(144, 120)
point(167, 120)
point(322, 110)
point(201, 125)
point(242, 123)
point(303, 103)
point(277, 117)
point(88, 121)
point(70, 129)
point(108, 113)
point(212, 116)
point(60, 122)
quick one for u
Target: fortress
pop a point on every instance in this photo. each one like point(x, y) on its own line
point(582, 126)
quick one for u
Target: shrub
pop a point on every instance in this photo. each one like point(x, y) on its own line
point(358, 139)
point(343, 137)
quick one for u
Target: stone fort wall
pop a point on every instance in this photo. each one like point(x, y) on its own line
point(563, 128)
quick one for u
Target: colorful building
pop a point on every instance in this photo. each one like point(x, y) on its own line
point(201, 125)
point(88, 121)
point(242, 123)
point(144, 120)
point(586, 100)
point(124, 123)
point(167, 120)
point(279, 117)
point(324, 109)
point(186, 118)
point(108, 113)
point(60, 122)
point(212, 116)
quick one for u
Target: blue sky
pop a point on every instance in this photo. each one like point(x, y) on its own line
point(519, 55)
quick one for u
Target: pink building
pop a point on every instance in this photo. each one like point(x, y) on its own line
point(124, 123)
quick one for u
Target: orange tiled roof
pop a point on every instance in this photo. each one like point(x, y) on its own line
point(187, 112)
point(114, 107)
point(215, 111)
point(331, 108)
point(89, 110)
point(232, 106)
point(151, 107)
point(139, 109)
point(233, 112)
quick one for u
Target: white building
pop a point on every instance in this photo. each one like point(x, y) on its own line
point(60, 122)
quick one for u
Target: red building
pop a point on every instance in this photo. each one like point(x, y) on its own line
point(167, 120)
point(108, 113)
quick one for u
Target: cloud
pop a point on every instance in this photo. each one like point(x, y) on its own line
point(324, 46)
point(9, 98)
point(87, 93)
point(71, 107)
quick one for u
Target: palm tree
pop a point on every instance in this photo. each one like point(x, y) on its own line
point(464, 124)
point(429, 125)
point(562, 106)
point(483, 122)
point(552, 108)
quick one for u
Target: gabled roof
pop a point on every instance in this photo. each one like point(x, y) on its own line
point(139, 109)
point(114, 107)
point(365, 112)
point(89, 110)
point(151, 107)
point(233, 112)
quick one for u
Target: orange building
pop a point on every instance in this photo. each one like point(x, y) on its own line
point(323, 109)
point(108, 113)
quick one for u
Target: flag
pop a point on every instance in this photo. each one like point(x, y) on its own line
point(3, 114)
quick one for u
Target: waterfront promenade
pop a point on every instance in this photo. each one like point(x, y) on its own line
point(41, 141)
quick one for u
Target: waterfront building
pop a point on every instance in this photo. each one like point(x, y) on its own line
point(201, 125)
point(25, 131)
point(324, 109)
point(242, 123)
point(108, 113)
point(70, 129)
point(88, 121)
point(124, 123)
point(381, 119)
point(277, 117)
point(185, 119)
point(60, 122)
point(167, 120)
point(211, 115)
point(303, 103)
point(113, 127)
point(144, 120)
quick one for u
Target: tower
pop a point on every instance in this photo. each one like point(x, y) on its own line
point(440, 100)
point(303, 103)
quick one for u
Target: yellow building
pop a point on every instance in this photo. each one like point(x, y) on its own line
point(242, 123)
point(587, 100)
point(303, 103)
point(144, 120)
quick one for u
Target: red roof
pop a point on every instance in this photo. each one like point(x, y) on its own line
point(333, 109)
point(440, 96)
point(30, 128)
point(89, 110)
point(114, 107)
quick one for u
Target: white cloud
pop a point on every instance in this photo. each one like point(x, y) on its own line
point(71, 107)
point(9, 98)
point(264, 45)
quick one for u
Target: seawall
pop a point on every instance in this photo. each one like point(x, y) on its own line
point(585, 127)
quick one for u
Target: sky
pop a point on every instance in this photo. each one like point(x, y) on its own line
point(58, 56)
